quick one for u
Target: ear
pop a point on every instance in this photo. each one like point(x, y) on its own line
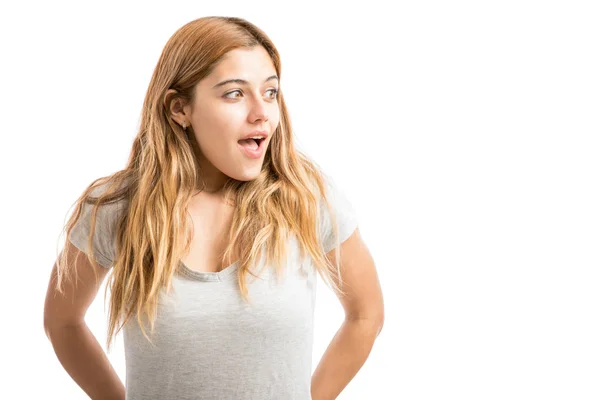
point(174, 106)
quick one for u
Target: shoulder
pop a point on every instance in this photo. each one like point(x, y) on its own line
point(340, 218)
point(107, 216)
point(109, 211)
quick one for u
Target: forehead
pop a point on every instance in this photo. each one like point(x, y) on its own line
point(253, 65)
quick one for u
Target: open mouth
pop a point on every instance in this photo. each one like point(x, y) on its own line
point(253, 148)
point(250, 141)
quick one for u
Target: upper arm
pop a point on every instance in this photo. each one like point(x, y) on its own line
point(70, 308)
point(363, 297)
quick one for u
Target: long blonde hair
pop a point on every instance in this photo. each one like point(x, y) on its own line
point(161, 177)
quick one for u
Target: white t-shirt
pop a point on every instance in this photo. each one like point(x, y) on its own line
point(209, 343)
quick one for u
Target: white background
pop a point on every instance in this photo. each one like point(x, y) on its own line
point(465, 134)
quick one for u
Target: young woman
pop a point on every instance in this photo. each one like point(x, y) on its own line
point(214, 233)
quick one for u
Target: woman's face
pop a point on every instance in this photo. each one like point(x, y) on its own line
point(225, 111)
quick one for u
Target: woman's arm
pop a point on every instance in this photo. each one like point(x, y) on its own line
point(344, 356)
point(83, 358)
point(74, 344)
point(363, 305)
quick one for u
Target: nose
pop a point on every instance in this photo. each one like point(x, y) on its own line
point(258, 111)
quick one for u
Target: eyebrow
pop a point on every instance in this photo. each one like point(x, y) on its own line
point(242, 82)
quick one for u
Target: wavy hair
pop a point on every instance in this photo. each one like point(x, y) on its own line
point(162, 174)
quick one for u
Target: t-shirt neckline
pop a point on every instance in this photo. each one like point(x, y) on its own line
point(222, 275)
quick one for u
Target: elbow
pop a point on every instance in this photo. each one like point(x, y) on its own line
point(380, 326)
point(378, 320)
point(53, 324)
point(372, 321)
point(378, 323)
point(50, 325)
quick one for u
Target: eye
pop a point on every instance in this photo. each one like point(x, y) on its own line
point(235, 91)
point(274, 91)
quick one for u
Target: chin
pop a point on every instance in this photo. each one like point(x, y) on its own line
point(248, 176)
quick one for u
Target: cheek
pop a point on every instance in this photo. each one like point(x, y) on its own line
point(214, 125)
point(275, 120)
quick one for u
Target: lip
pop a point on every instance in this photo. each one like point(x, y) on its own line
point(262, 134)
point(254, 153)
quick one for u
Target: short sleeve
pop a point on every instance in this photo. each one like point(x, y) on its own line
point(103, 244)
point(345, 216)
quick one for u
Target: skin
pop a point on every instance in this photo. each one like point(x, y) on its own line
point(221, 115)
